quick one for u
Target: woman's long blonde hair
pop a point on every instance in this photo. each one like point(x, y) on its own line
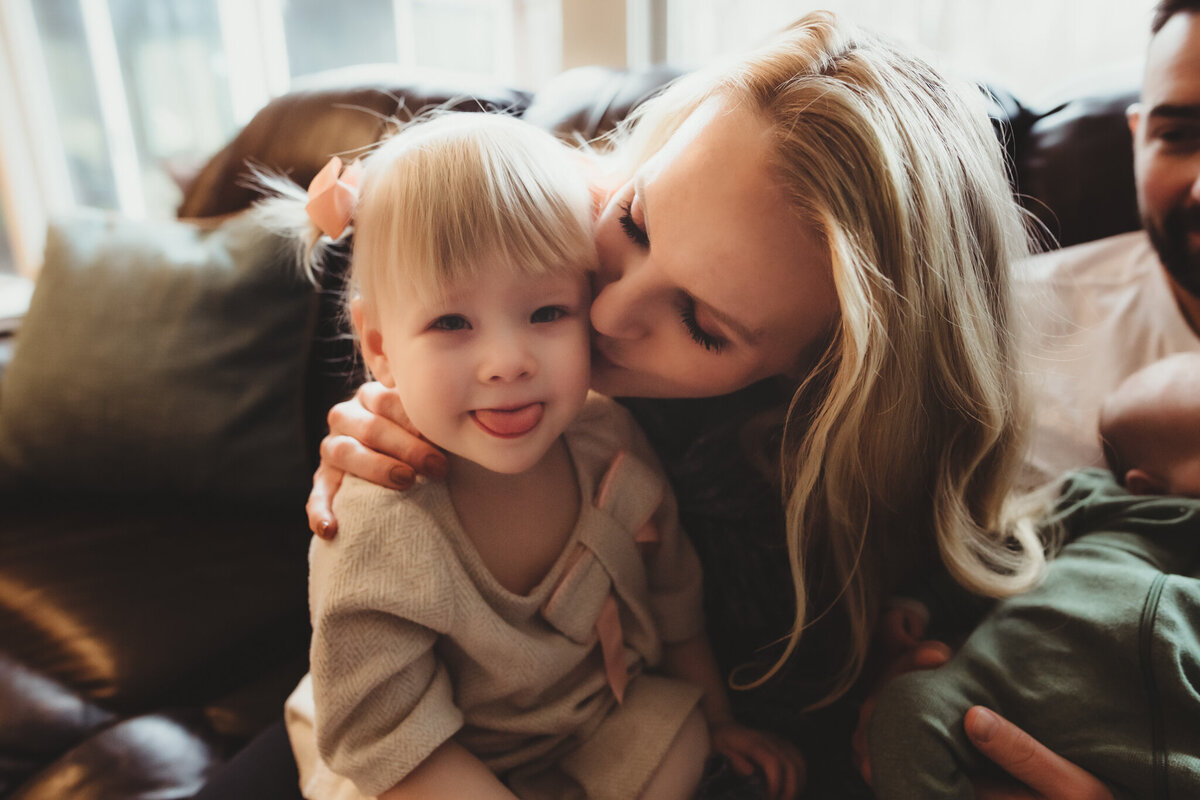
point(912, 421)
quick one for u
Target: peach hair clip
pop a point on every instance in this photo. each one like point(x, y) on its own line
point(332, 196)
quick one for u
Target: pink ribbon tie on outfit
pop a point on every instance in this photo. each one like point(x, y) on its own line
point(563, 609)
point(612, 646)
point(332, 195)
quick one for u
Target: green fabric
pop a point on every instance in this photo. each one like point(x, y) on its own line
point(160, 356)
point(1101, 662)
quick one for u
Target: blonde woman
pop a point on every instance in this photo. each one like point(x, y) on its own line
point(816, 238)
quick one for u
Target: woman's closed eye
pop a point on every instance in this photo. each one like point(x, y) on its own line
point(636, 234)
point(450, 322)
point(687, 313)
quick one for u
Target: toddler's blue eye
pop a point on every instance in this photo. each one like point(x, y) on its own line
point(450, 322)
point(548, 314)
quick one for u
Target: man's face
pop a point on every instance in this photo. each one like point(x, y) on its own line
point(1166, 133)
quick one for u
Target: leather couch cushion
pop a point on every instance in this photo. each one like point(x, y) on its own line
point(341, 111)
point(165, 756)
point(1075, 162)
point(161, 357)
point(42, 718)
point(139, 604)
point(588, 102)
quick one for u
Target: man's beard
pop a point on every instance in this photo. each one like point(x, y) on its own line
point(1171, 242)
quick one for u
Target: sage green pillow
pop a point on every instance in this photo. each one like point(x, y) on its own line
point(160, 357)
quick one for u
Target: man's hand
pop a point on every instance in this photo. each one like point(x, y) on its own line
point(1043, 774)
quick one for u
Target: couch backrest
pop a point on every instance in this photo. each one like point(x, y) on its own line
point(1072, 161)
point(339, 112)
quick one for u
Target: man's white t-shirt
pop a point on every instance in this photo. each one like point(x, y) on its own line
point(1089, 316)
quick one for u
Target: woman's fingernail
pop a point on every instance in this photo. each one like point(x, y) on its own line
point(323, 529)
point(435, 466)
point(984, 725)
point(401, 477)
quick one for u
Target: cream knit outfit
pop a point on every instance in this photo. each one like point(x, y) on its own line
point(415, 642)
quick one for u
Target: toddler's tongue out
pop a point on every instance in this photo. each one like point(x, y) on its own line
point(510, 422)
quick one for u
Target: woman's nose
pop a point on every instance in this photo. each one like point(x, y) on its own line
point(621, 304)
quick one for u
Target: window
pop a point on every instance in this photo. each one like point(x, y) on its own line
point(76, 101)
point(120, 98)
point(7, 264)
point(1015, 43)
point(107, 102)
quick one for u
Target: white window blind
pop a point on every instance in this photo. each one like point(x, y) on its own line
point(1030, 47)
point(115, 99)
point(104, 102)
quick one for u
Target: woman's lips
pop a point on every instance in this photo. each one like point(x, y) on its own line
point(509, 423)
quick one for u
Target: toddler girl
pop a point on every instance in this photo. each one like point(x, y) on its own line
point(501, 632)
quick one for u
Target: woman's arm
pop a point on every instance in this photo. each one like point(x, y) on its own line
point(369, 436)
point(449, 773)
point(1044, 775)
point(781, 763)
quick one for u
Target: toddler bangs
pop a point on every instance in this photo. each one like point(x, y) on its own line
point(454, 194)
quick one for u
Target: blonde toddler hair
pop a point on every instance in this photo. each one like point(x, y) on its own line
point(450, 194)
point(446, 196)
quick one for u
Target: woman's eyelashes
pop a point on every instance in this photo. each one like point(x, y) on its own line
point(635, 233)
point(687, 313)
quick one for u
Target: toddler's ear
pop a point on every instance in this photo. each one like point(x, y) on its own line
point(1141, 482)
point(370, 340)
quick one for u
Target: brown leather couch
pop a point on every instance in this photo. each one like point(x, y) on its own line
point(142, 642)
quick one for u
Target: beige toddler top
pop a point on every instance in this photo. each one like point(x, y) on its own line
point(415, 641)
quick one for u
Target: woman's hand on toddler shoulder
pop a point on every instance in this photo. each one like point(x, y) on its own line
point(371, 437)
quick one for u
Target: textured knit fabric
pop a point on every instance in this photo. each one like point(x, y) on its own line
point(1101, 663)
point(415, 641)
point(1091, 315)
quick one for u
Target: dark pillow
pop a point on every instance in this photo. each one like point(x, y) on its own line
point(160, 357)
